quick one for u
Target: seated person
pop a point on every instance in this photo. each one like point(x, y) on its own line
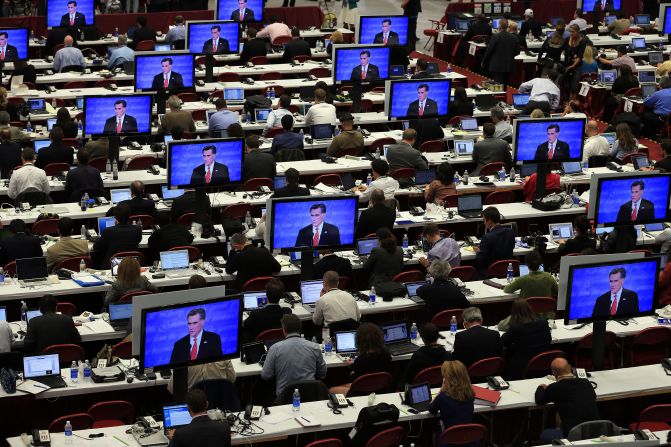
point(249, 261)
point(257, 164)
point(288, 139)
point(129, 279)
point(581, 238)
point(497, 243)
point(432, 353)
point(169, 235)
point(66, 247)
point(275, 116)
point(536, 283)
point(293, 189)
point(385, 261)
point(552, 181)
point(20, 244)
point(201, 429)
point(137, 203)
point(50, 328)
point(388, 185)
point(490, 149)
point(82, 178)
point(269, 316)
point(456, 399)
point(349, 138)
point(377, 215)
point(442, 294)
point(254, 46)
point(442, 187)
point(321, 111)
point(442, 248)
point(476, 342)
point(123, 236)
point(624, 144)
point(526, 337)
point(331, 261)
point(334, 304)
point(56, 152)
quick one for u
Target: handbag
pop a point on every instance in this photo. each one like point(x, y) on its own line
point(389, 290)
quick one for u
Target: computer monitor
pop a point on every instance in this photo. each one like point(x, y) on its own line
point(462, 25)
point(470, 202)
point(311, 291)
point(642, 19)
point(592, 5)
point(70, 14)
point(261, 115)
point(468, 123)
point(231, 10)
point(41, 365)
point(607, 76)
point(412, 99)
point(548, 139)
point(666, 23)
point(15, 44)
point(120, 311)
point(366, 245)
point(152, 68)
point(292, 221)
point(41, 144)
point(31, 268)
point(638, 43)
point(463, 147)
point(648, 90)
point(119, 195)
point(646, 76)
point(520, 99)
point(348, 60)
point(189, 162)
point(170, 194)
point(424, 176)
point(175, 416)
point(104, 223)
point(280, 181)
point(345, 342)
point(37, 105)
point(254, 300)
point(3, 313)
point(372, 30)
point(174, 260)
point(117, 115)
point(167, 332)
point(655, 57)
point(234, 94)
point(212, 37)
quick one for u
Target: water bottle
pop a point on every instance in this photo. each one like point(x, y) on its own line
point(139, 223)
point(510, 272)
point(24, 314)
point(82, 231)
point(74, 372)
point(296, 401)
point(377, 153)
point(502, 173)
point(29, 125)
point(82, 36)
point(328, 345)
point(82, 204)
point(2, 276)
point(268, 93)
point(453, 325)
point(108, 167)
point(87, 371)
point(134, 223)
point(32, 34)
point(325, 332)
point(80, 126)
point(585, 166)
point(272, 92)
point(248, 117)
point(115, 171)
point(371, 297)
point(576, 198)
point(369, 179)
point(82, 266)
point(464, 178)
point(302, 134)
point(68, 433)
point(457, 179)
point(314, 340)
point(413, 332)
point(248, 220)
point(513, 174)
point(449, 68)
point(405, 242)
point(116, 31)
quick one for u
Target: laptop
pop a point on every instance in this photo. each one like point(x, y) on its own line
point(397, 71)
point(461, 26)
point(32, 313)
point(470, 206)
point(280, 181)
point(561, 231)
point(310, 293)
point(3, 313)
point(170, 194)
point(397, 338)
point(463, 147)
point(234, 95)
point(648, 90)
point(345, 344)
point(307, 93)
point(347, 181)
point(646, 76)
point(637, 43)
point(610, 137)
point(469, 124)
point(321, 131)
point(485, 102)
point(44, 368)
point(366, 245)
point(261, 115)
point(571, 168)
point(295, 256)
point(175, 416)
point(658, 226)
point(80, 102)
point(609, 19)
point(424, 176)
point(119, 195)
point(51, 122)
point(304, 108)
point(607, 76)
point(549, 34)
point(418, 396)
point(412, 287)
point(162, 47)
point(655, 57)
point(642, 19)
point(520, 100)
point(527, 169)
point(495, 24)
point(433, 68)
point(41, 144)
point(254, 300)
point(32, 271)
point(208, 115)
point(167, 138)
point(120, 314)
point(524, 269)
point(37, 105)
point(104, 223)
point(640, 161)
point(175, 263)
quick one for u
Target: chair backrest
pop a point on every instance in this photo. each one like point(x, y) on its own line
point(186, 219)
point(221, 394)
point(348, 324)
point(255, 183)
point(380, 143)
point(311, 391)
point(112, 410)
point(539, 365)
point(229, 76)
point(409, 276)
point(370, 383)
point(189, 97)
point(271, 76)
point(123, 350)
point(54, 169)
point(431, 375)
point(464, 272)
point(330, 442)
point(271, 335)
point(432, 146)
point(442, 319)
point(403, 173)
point(463, 434)
point(10, 268)
point(492, 168)
point(67, 353)
point(140, 162)
point(128, 297)
point(194, 252)
point(259, 60)
point(289, 155)
point(542, 304)
point(582, 355)
point(390, 437)
point(328, 179)
point(99, 163)
point(145, 45)
point(79, 421)
point(320, 72)
point(34, 197)
point(593, 429)
point(281, 40)
point(66, 308)
point(499, 269)
point(491, 366)
point(237, 211)
point(655, 413)
point(650, 346)
point(256, 284)
point(344, 282)
point(72, 263)
point(497, 197)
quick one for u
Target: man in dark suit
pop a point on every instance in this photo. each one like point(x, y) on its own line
point(499, 57)
point(121, 237)
point(142, 32)
point(422, 106)
point(137, 203)
point(7, 52)
point(249, 261)
point(50, 328)
point(637, 209)
point(201, 431)
point(217, 44)
point(297, 46)
point(254, 47)
point(199, 344)
point(617, 301)
point(267, 317)
point(257, 164)
point(332, 262)
point(553, 148)
point(293, 189)
point(167, 79)
point(210, 173)
point(497, 243)
point(83, 177)
point(73, 18)
point(20, 244)
point(56, 152)
point(10, 153)
point(404, 155)
point(191, 201)
point(318, 232)
point(476, 342)
point(243, 13)
point(377, 216)
point(386, 36)
point(169, 235)
point(120, 122)
point(365, 71)
point(287, 139)
point(603, 6)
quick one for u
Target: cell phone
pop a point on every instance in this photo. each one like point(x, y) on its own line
point(413, 411)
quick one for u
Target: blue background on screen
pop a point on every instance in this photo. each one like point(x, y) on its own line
point(165, 327)
point(588, 5)
point(149, 66)
point(406, 92)
point(185, 157)
point(226, 7)
point(530, 134)
point(57, 8)
point(290, 217)
point(616, 192)
point(667, 21)
point(199, 33)
point(589, 283)
point(99, 109)
point(370, 26)
point(348, 58)
point(19, 39)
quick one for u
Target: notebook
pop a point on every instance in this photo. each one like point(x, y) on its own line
point(345, 343)
point(175, 262)
point(119, 195)
point(254, 300)
point(646, 76)
point(32, 313)
point(32, 270)
point(104, 223)
point(470, 206)
point(261, 115)
point(234, 95)
point(44, 368)
point(655, 57)
point(170, 194)
point(120, 314)
point(638, 43)
point(3, 313)
point(41, 144)
point(648, 90)
point(418, 396)
point(520, 100)
point(397, 338)
point(280, 182)
point(412, 287)
point(607, 76)
point(469, 124)
point(321, 131)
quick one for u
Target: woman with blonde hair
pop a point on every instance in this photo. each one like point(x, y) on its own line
point(128, 280)
point(336, 38)
point(588, 64)
point(456, 397)
point(537, 113)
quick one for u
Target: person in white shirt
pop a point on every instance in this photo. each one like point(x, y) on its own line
point(275, 116)
point(274, 30)
point(334, 304)
point(28, 176)
point(595, 143)
point(321, 112)
point(503, 128)
point(578, 20)
point(573, 109)
point(543, 92)
point(388, 185)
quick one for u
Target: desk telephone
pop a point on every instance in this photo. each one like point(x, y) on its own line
point(666, 364)
point(253, 412)
point(644, 435)
point(338, 401)
point(41, 438)
point(155, 169)
point(154, 197)
point(218, 261)
point(102, 201)
point(497, 383)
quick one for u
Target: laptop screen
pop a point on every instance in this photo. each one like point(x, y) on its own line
point(162, 47)
point(655, 227)
point(461, 25)
point(41, 365)
point(51, 122)
point(520, 99)
point(254, 300)
point(104, 223)
point(646, 76)
point(345, 341)
point(32, 268)
point(571, 167)
point(280, 181)
point(469, 124)
point(32, 313)
point(413, 286)
point(173, 260)
point(120, 311)
point(610, 137)
point(609, 19)
point(524, 269)
point(169, 194)
point(642, 19)
point(420, 394)
point(638, 43)
point(607, 76)
point(119, 195)
point(347, 181)
point(261, 115)
point(311, 290)
point(648, 90)
point(485, 100)
point(36, 104)
point(555, 20)
point(80, 103)
point(655, 57)
point(463, 147)
point(561, 231)
point(365, 246)
point(397, 70)
point(321, 131)
point(432, 68)
point(469, 203)
point(234, 94)
point(640, 161)
point(395, 332)
point(176, 416)
point(3, 314)
point(424, 176)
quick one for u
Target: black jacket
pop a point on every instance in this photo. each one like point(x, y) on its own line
point(209, 347)
point(376, 217)
point(82, 178)
point(495, 245)
point(383, 266)
point(531, 26)
point(574, 399)
point(167, 237)
point(19, 246)
point(478, 28)
point(202, 432)
point(291, 191)
point(116, 239)
point(425, 357)
point(522, 342)
point(10, 157)
point(54, 154)
point(186, 203)
point(476, 343)
point(70, 129)
point(664, 164)
point(576, 245)
point(441, 295)
point(258, 164)
point(260, 320)
point(137, 205)
point(50, 329)
point(371, 362)
point(251, 262)
point(255, 47)
point(143, 33)
point(297, 47)
point(501, 51)
point(332, 262)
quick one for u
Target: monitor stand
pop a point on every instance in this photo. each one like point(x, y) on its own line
point(541, 173)
point(209, 68)
point(114, 145)
point(307, 264)
point(180, 383)
point(598, 344)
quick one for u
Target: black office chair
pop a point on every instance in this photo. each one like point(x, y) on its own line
point(70, 68)
point(289, 155)
point(593, 429)
point(220, 393)
point(34, 197)
point(348, 324)
point(311, 391)
point(597, 161)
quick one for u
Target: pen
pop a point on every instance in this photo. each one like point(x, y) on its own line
point(120, 440)
point(41, 386)
point(306, 420)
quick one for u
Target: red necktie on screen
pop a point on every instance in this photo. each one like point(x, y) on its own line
point(118, 126)
point(363, 72)
point(194, 349)
point(208, 175)
point(2, 54)
point(214, 46)
point(633, 213)
point(315, 238)
point(551, 152)
point(421, 109)
point(72, 20)
point(613, 307)
point(165, 82)
point(385, 39)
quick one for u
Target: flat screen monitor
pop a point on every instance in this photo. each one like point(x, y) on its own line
point(51, 122)
point(374, 29)
point(608, 289)
point(32, 268)
point(212, 37)
point(655, 57)
point(462, 25)
point(666, 23)
point(234, 94)
point(648, 89)
point(414, 99)
point(599, 5)
point(638, 43)
point(117, 115)
point(632, 200)
point(168, 333)
point(70, 13)
point(13, 44)
point(548, 139)
point(41, 144)
point(204, 163)
point(293, 222)
point(104, 223)
point(172, 71)
point(240, 10)
point(349, 59)
point(646, 76)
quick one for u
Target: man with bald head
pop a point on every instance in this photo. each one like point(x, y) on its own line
point(137, 203)
point(574, 399)
point(595, 144)
point(68, 56)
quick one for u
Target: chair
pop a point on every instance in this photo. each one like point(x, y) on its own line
point(582, 356)
point(255, 183)
point(311, 391)
point(128, 254)
point(492, 168)
point(221, 393)
point(140, 162)
point(73, 84)
point(649, 346)
point(146, 220)
point(270, 76)
point(431, 375)
point(194, 252)
point(112, 413)
point(320, 72)
point(66, 308)
point(409, 276)
point(542, 304)
point(19, 124)
point(463, 434)
point(499, 269)
point(281, 40)
point(289, 155)
point(653, 418)
point(128, 297)
point(432, 146)
point(72, 263)
point(497, 197)
point(353, 151)
point(390, 437)
point(256, 284)
point(328, 179)
point(464, 272)
point(593, 429)
point(10, 268)
point(491, 366)
point(236, 211)
point(301, 58)
point(123, 350)
point(45, 227)
point(380, 143)
point(33, 196)
point(443, 319)
point(145, 45)
point(259, 60)
point(403, 173)
point(99, 163)
point(330, 442)
point(366, 105)
point(67, 353)
point(189, 97)
point(79, 421)
point(539, 365)
point(274, 132)
point(271, 335)
point(229, 76)
point(186, 219)
point(370, 383)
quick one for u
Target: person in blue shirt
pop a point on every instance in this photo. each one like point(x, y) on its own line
point(221, 119)
point(177, 32)
point(287, 139)
point(456, 399)
point(120, 54)
point(657, 108)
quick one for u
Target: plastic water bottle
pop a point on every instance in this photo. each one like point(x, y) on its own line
point(248, 117)
point(80, 125)
point(82, 36)
point(68, 433)
point(449, 68)
point(24, 313)
point(87, 371)
point(302, 134)
point(464, 178)
point(405, 242)
point(369, 179)
point(272, 92)
point(2, 276)
point(371, 297)
point(502, 173)
point(457, 179)
point(108, 167)
point(326, 332)
point(510, 272)
point(116, 31)
point(139, 223)
point(248, 219)
point(82, 266)
point(413, 332)
point(576, 198)
point(453, 325)
point(29, 125)
point(32, 34)
point(115, 171)
point(82, 231)
point(296, 401)
point(513, 174)
point(328, 345)
point(74, 372)
point(86, 199)
point(268, 94)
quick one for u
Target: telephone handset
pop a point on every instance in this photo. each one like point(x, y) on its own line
point(497, 383)
point(218, 261)
point(338, 400)
point(41, 437)
point(253, 412)
point(644, 435)
point(666, 364)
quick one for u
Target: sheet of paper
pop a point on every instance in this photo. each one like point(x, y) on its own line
point(98, 326)
point(277, 417)
point(32, 387)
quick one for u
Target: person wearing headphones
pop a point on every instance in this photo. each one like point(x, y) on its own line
point(176, 117)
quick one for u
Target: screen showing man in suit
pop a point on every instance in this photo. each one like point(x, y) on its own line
point(167, 79)
point(203, 163)
point(210, 172)
point(213, 37)
point(667, 21)
point(385, 30)
point(647, 199)
point(249, 10)
point(419, 99)
point(365, 71)
point(423, 105)
point(386, 36)
point(13, 44)
point(153, 70)
point(199, 343)
point(352, 63)
point(242, 13)
point(70, 13)
point(549, 140)
point(132, 114)
point(601, 5)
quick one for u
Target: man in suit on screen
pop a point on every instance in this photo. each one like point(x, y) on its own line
point(386, 36)
point(216, 45)
point(73, 18)
point(243, 13)
point(210, 173)
point(199, 344)
point(617, 301)
point(553, 148)
point(422, 106)
point(603, 6)
point(120, 122)
point(366, 71)
point(167, 79)
point(7, 52)
point(318, 232)
point(638, 209)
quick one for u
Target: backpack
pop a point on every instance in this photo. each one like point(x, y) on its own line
point(370, 421)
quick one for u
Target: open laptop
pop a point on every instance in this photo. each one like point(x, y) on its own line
point(424, 176)
point(254, 300)
point(170, 194)
point(41, 144)
point(461, 26)
point(524, 269)
point(32, 271)
point(637, 43)
point(610, 137)
point(44, 368)
point(310, 293)
point(655, 57)
point(280, 181)
point(485, 102)
point(307, 93)
point(642, 19)
point(366, 245)
point(433, 68)
point(3, 313)
point(104, 223)
point(469, 124)
point(120, 314)
point(32, 313)
point(119, 195)
point(609, 19)
point(607, 76)
point(175, 416)
point(261, 115)
point(561, 231)
point(347, 181)
point(234, 95)
point(321, 131)
point(648, 90)
point(640, 161)
point(646, 76)
point(412, 287)
point(345, 344)
point(469, 206)
point(571, 168)
point(175, 263)
point(51, 122)
point(396, 71)
point(418, 396)
point(162, 47)
point(463, 147)
point(37, 105)
point(397, 338)
point(520, 100)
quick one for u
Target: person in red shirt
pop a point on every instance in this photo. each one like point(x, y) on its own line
point(552, 181)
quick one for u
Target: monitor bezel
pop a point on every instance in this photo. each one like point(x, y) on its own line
point(338, 47)
point(389, 97)
point(9, 28)
point(141, 54)
point(357, 37)
point(213, 22)
point(257, 19)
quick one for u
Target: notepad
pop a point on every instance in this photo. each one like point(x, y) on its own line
point(307, 421)
point(32, 387)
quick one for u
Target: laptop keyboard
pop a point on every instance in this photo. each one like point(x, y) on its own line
point(51, 381)
point(178, 273)
point(405, 347)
